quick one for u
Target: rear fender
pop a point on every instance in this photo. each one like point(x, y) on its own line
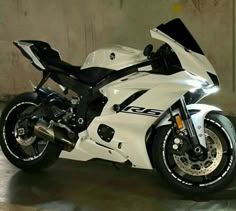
point(199, 112)
point(46, 94)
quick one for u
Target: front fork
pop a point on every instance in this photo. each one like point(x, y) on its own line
point(186, 117)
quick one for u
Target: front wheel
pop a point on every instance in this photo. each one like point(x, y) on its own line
point(26, 152)
point(188, 174)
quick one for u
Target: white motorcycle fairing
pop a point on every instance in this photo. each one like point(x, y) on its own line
point(133, 122)
point(129, 141)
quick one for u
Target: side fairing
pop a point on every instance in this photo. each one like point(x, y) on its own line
point(131, 124)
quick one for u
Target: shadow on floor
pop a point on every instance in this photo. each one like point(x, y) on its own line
point(95, 185)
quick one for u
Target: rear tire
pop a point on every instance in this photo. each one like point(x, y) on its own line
point(200, 180)
point(20, 155)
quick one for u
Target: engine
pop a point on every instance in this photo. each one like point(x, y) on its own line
point(55, 119)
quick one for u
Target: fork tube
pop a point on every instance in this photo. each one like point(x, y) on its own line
point(190, 127)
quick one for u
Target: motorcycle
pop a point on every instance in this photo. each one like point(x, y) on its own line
point(129, 107)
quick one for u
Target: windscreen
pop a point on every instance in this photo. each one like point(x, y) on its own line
point(179, 32)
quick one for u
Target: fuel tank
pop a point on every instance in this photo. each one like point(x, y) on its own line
point(114, 57)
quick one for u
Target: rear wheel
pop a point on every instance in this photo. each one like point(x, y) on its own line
point(187, 173)
point(26, 152)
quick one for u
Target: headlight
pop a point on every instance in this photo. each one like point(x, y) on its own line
point(211, 90)
point(198, 80)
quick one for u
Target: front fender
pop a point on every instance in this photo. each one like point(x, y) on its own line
point(199, 112)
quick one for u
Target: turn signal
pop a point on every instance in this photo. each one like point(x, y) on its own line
point(179, 122)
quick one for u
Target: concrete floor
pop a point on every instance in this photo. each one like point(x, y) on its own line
point(96, 185)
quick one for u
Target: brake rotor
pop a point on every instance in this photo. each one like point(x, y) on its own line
point(207, 166)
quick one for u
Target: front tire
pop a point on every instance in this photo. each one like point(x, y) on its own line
point(193, 176)
point(31, 153)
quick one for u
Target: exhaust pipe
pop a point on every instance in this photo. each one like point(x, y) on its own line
point(53, 133)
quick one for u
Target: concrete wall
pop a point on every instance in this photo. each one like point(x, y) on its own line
point(76, 27)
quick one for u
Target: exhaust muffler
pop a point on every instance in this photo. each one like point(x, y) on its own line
point(54, 133)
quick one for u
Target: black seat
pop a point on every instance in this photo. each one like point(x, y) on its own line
point(50, 58)
point(93, 75)
point(90, 76)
